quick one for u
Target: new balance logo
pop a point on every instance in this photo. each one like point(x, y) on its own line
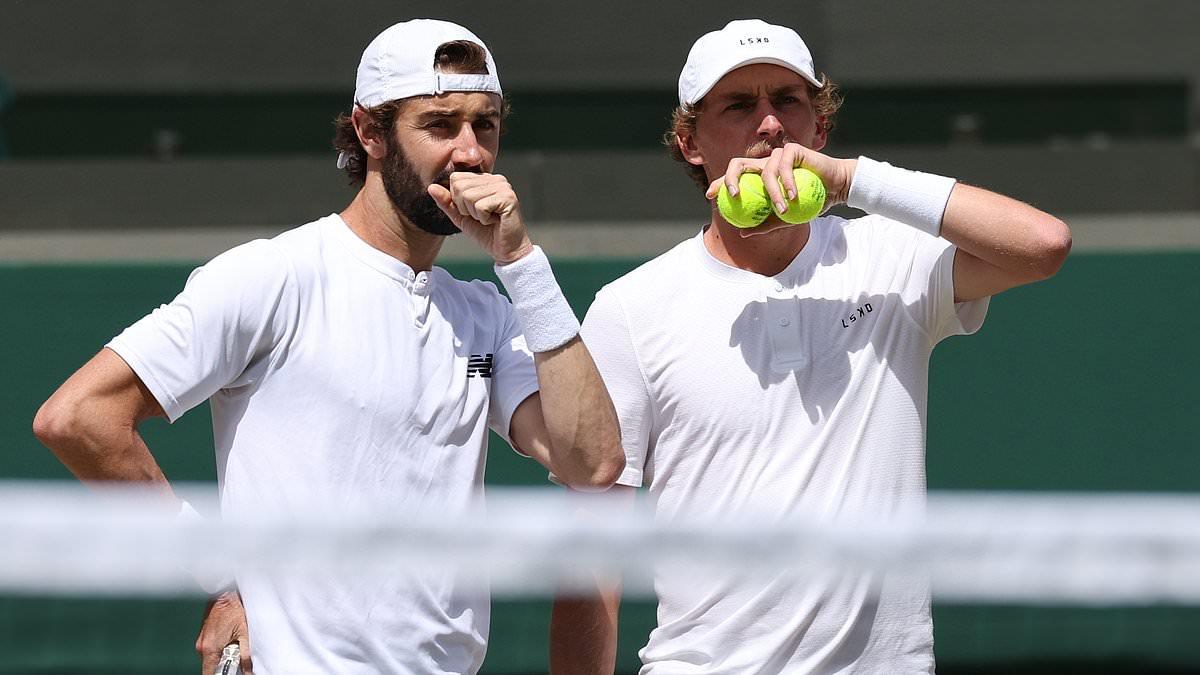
point(479, 365)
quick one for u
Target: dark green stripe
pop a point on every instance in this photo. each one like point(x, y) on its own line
point(133, 123)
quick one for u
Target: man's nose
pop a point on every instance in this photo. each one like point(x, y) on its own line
point(769, 125)
point(467, 152)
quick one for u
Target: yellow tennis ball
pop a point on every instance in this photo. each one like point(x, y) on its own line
point(750, 207)
point(809, 201)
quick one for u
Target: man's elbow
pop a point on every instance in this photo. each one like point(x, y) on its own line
point(608, 474)
point(56, 423)
point(603, 474)
point(1053, 246)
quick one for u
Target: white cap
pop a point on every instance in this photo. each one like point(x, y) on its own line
point(741, 43)
point(399, 64)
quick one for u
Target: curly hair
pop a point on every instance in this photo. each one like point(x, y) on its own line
point(826, 99)
point(459, 56)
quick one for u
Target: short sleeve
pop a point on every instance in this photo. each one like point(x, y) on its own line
point(229, 316)
point(514, 377)
point(607, 336)
point(931, 283)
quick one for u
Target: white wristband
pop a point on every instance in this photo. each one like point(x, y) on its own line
point(213, 583)
point(911, 197)
point(546, 318)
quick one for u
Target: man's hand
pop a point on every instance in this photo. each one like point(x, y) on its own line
point(484, 206)
point(224, 624)
point(776, 169)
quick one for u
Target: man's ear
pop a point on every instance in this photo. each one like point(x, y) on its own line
point(370, 138)
point(687, 147)
point(822, 136)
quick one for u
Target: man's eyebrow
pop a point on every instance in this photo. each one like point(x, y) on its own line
point(785, 89)
point(737, 96)
point(446, 112)
point(748, 96)
point(490, 113)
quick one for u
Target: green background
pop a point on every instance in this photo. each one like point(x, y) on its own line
point(123, 124)
point(1085, 382)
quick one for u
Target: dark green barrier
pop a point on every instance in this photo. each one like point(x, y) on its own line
point(1085, 382)
point(42, 125)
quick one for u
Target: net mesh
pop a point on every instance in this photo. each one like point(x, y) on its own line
point(998, 548)
point(100, 581)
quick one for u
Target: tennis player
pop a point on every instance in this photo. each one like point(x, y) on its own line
point(342, 365)
point(785, 368)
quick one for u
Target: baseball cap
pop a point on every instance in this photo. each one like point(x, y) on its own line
point(399, 64)
point(741, 43)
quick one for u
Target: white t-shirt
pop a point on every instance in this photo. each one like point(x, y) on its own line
point(335, 372)
point(805, 391)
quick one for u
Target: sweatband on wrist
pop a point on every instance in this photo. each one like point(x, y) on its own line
point(213, 583)
point(911, 197)
point(546, 318)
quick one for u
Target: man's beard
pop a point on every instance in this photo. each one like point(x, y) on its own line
point(410, 196)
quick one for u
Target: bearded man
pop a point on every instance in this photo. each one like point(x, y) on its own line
point(339, 362)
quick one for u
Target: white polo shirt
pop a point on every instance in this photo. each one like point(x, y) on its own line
point(802, 391)
point(336, 374)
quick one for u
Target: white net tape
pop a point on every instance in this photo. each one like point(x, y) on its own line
point(991, 547)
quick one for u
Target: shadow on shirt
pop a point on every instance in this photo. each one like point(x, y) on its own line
point(816, 343)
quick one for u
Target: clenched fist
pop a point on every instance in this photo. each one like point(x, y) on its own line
point(485, 207)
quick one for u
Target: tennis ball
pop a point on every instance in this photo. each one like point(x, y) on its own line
point(750, 207)
point(810, 198)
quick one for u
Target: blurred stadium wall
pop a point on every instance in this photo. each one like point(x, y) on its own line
point(139, 138)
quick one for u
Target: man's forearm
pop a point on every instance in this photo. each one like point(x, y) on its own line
point(583, 634)
point(583, 624)
point(584, 438)
point(1001, 242)
point(99, 453)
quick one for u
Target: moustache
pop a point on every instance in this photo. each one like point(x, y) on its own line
point(764, 147)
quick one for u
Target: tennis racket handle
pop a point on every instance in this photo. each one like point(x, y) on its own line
point(231, 658)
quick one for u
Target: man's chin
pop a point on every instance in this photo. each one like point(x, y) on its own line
point(426, 216)
point(432, 219)
point(771, 224)
point(447, 230)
